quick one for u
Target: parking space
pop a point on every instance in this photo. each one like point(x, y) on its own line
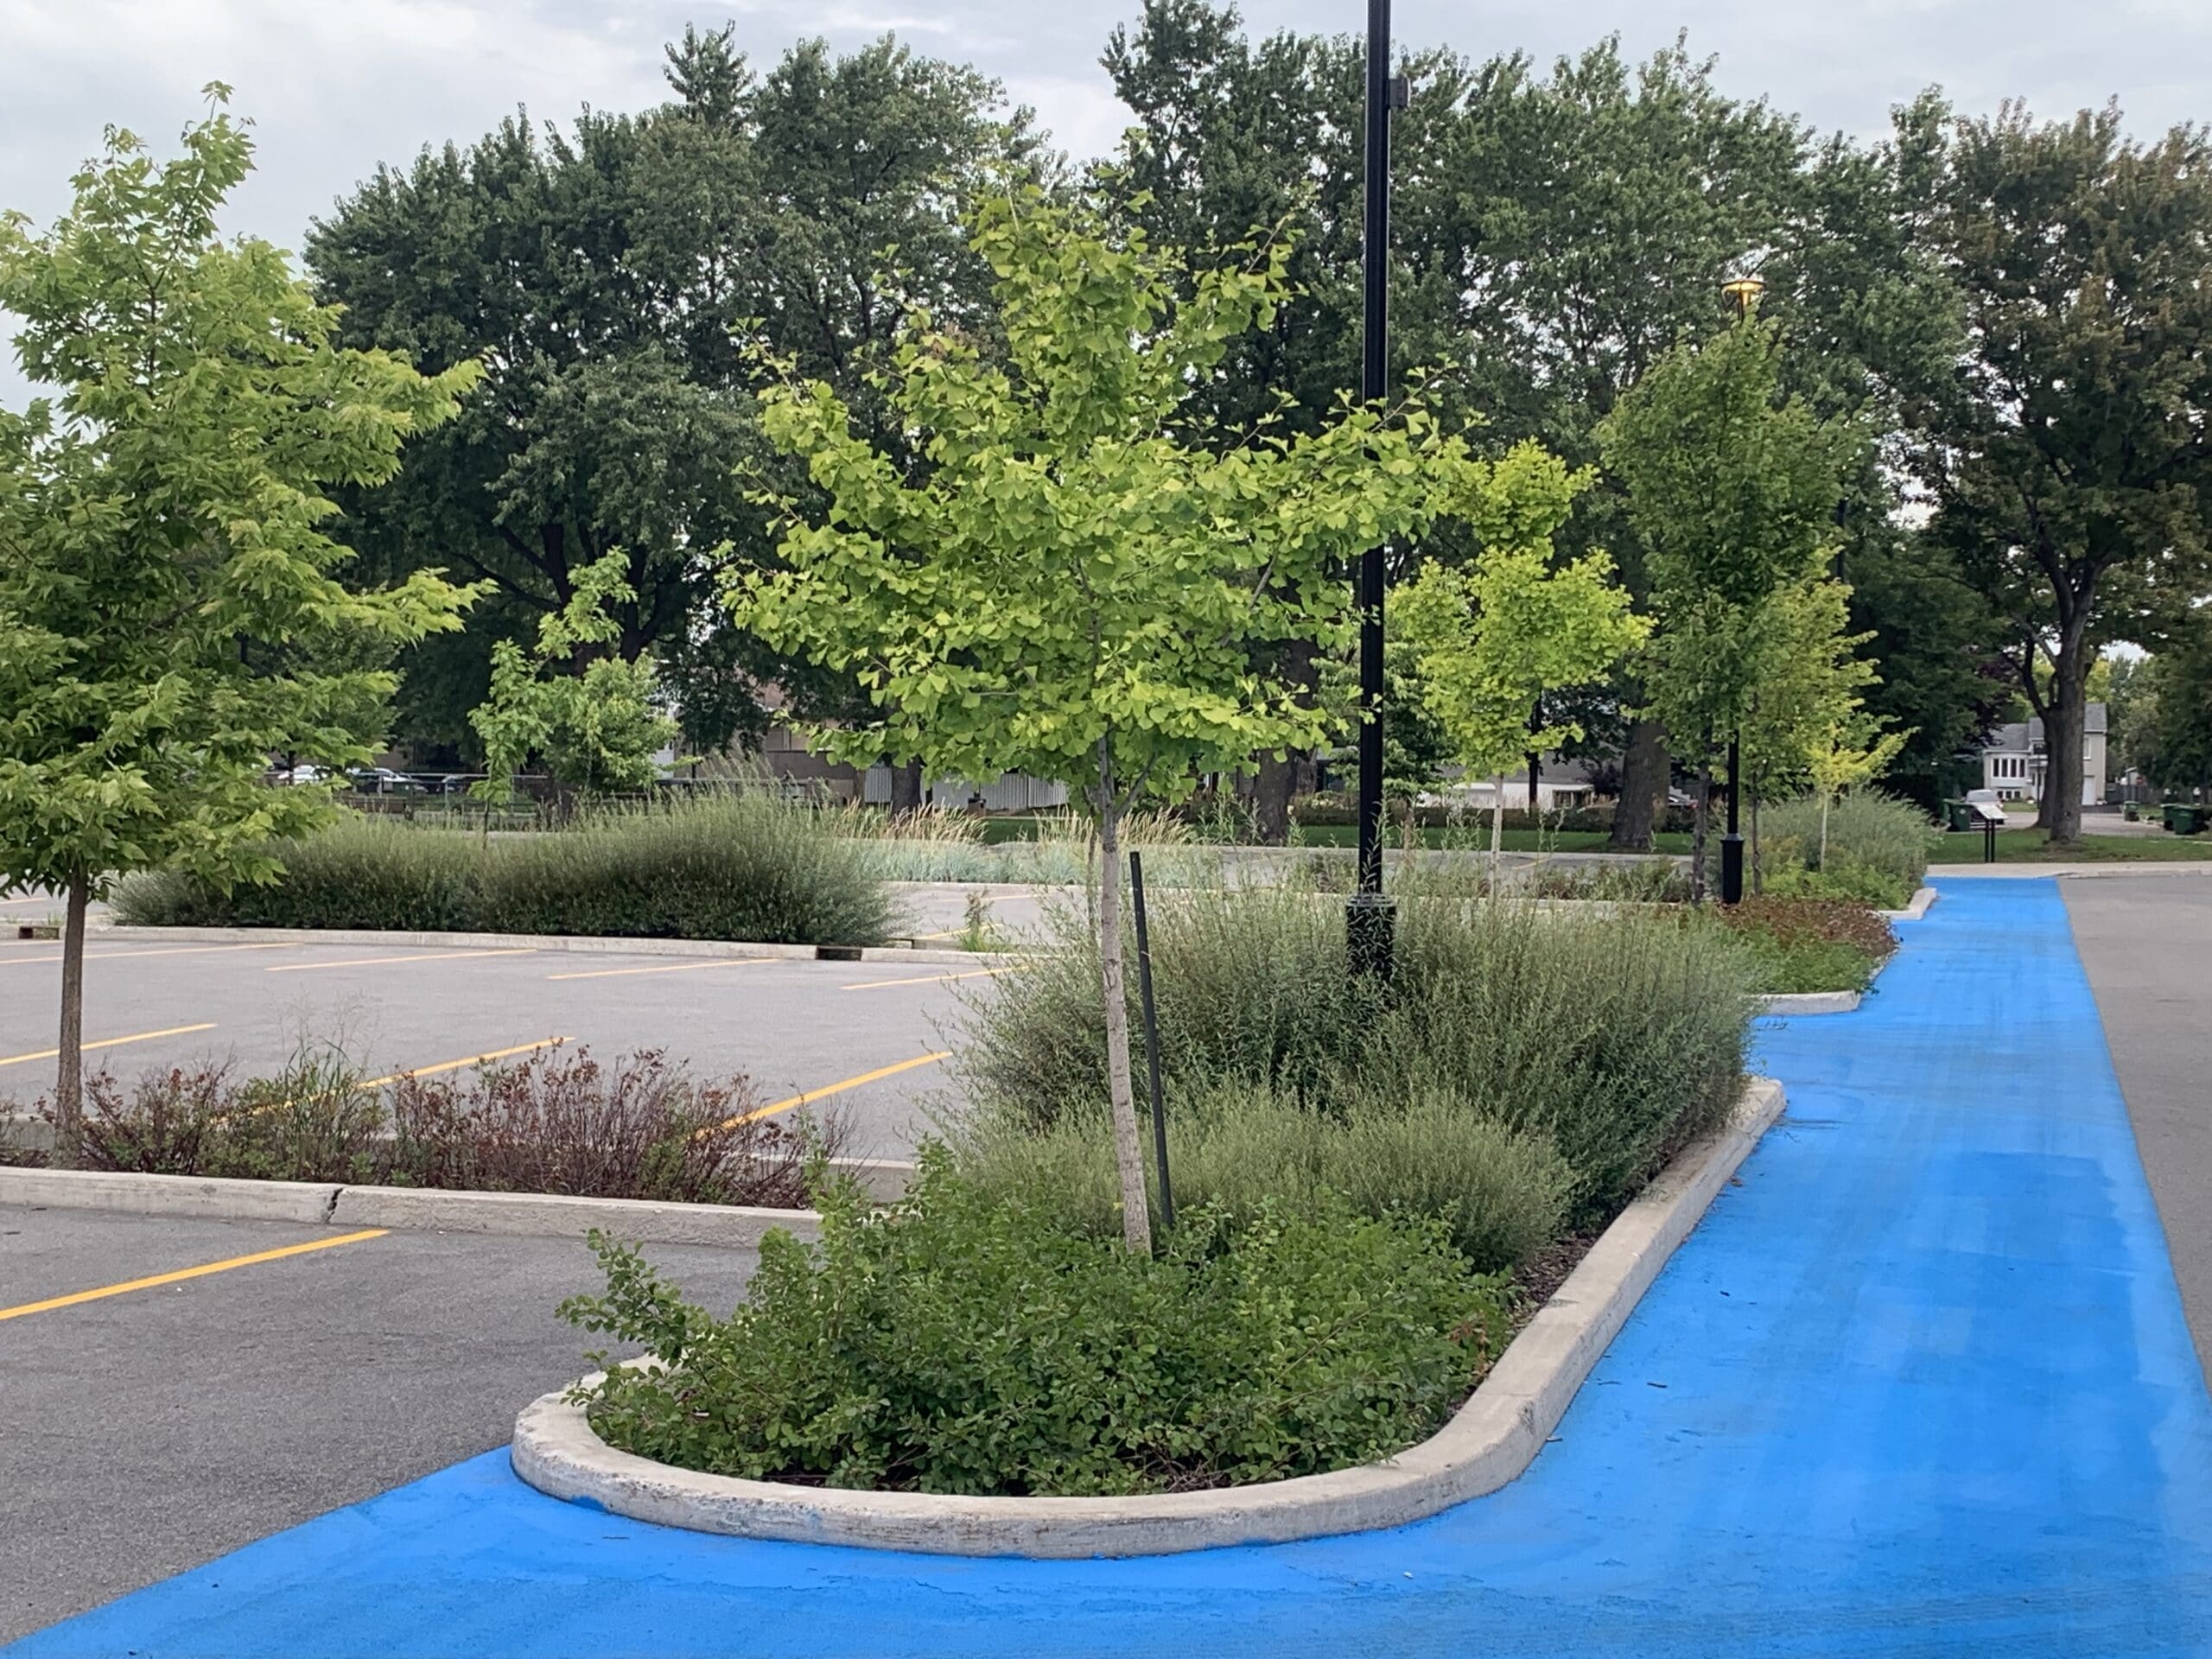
point(171, 1389)
point(871, 1037)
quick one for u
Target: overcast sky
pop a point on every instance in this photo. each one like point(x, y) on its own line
point(334, 86)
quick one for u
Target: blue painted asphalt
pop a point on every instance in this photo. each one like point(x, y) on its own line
point(1919, 1385)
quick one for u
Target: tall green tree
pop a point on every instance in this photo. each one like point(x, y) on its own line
point(2072, 465)
point(172, 608)
point(1073, 589)
point(617, 278)
point(1732, 486)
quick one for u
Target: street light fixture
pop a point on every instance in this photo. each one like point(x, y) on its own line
point(1368, 921)
point(1743, 292)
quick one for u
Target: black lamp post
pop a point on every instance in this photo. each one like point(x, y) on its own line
point(1743, 292)
point(1369, 920)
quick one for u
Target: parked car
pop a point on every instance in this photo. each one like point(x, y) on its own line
point(381, 781)
point(302, 774)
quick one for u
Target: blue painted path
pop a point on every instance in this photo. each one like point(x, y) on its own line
point(1919, 1385)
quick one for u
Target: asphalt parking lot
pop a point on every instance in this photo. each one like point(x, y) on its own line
point(145, 1430)
point(2146, 942)
point(866, 1039)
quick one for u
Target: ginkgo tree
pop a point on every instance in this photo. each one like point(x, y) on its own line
point(1491, 638)
point(171, 611)
point(1078, 585)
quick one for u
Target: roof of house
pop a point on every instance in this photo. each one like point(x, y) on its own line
point(2026, 737)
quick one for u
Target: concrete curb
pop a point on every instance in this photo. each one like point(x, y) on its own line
point(1492, 1439)
point(1922, 897)
point(423, 1209)
point(1797, 1002)
point(579, 944)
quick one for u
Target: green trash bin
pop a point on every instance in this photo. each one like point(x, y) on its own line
point(2191, 820)
point(2166, 810)
point(1957, 814)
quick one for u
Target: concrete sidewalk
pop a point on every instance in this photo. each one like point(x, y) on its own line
point(1919, 1386)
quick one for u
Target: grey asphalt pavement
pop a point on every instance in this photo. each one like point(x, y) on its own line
point(2146, 943)
point(145, 1433)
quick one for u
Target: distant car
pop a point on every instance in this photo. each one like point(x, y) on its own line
point(302, 774)
point(381, 781)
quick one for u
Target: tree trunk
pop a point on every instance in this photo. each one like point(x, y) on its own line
point(907, 789)
point(1496, 828)
point(1823, 864)
point(1271, 798)
point(1643, 787)
point(1535, 782)
point(69, 1075)
point(2061, 809)
point(1697, 831)
point(1128, 1149)
point(1758, 867)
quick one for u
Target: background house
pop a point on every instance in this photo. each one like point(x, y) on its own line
point(2015, 758)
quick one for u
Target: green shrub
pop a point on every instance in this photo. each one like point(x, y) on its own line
point(724, 866)
point(957, 1342)
point(1616, 1036)
point(1794, 945)
point(1503, 1194)
point(1877, 844)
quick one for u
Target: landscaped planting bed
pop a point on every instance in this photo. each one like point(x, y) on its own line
point(1369, 1180)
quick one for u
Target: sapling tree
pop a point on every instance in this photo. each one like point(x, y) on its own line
point(598, 730)
point(1078, 584)
point(1493, 637)
point(171, 613)
point(1733, 488)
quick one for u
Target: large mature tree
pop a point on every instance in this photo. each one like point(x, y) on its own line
point(615, 279)
point(171, 606)
point(2072, 466)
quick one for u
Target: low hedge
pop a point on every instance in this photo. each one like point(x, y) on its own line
point(957, 1342)
point(729, 867)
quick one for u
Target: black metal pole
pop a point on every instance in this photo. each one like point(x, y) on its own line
point(1732, 844)
point(1151, 1039)
point(1368, 921)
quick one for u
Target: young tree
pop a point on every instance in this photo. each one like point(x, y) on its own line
point(598, 731)
point(170, 609)
point(1073, 589)
point(1493, 636)
point(1733, 488)
point(2073, 468)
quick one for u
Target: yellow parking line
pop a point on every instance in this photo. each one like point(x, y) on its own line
point(836, 1088)
point(380, 961)
point(183, 1274)
point(928, 979)
point(54, 954)
point(678, 968)
point(108, 1042)
point(473, 1059)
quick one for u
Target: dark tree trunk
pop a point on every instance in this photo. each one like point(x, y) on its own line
point(2060, 810)
point(1271, 798)
point(1704, 815)
point(1535, 777)
point(1644, 787)
point(907, 789)
point(69, 1074)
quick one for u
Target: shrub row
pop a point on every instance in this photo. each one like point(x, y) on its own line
point(556, 1122)
point(728, 866)
point(1797, 944)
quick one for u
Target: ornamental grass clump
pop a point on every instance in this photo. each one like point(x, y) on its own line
point(1876, 848)
point(964, 1341)
point(719, 867)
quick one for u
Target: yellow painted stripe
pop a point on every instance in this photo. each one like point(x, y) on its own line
point(183, 1274)
point(678, 968)
point(54, 954)
point(473, 1059)
point(928, 979)
point(880, 1072)
point(381, 962)
point(108, 1042)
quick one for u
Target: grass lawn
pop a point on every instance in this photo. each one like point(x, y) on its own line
point(2027, 846)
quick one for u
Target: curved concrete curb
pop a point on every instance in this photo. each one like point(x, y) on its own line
point(581, 944)
point(1922, 897)
point(1492, 1439)
point(424, 1209)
